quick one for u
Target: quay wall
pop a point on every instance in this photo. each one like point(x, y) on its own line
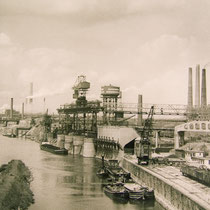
point(166, 193)
point(112, 140)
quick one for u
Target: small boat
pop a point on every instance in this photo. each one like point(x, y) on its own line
point(115, 171)
point(135, 191)
point(46, 146)
point(116, 191)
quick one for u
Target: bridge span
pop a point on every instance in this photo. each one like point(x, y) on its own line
point(192, 126)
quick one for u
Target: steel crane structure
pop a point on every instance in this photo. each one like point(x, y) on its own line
point(80, 116)
point(143, 152)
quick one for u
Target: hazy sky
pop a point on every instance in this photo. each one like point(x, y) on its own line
point(143, 46)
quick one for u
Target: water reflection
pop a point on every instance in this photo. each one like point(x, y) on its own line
point(63, 182)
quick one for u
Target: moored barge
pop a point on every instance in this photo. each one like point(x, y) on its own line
point(116, 172)
point(135, 191)
point(116, 191)
point(53, 149)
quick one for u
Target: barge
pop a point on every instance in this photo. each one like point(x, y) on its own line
point(135, 191)
point(116, 191)
point(53, 149)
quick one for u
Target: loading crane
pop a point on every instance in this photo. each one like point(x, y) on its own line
point(143, 152)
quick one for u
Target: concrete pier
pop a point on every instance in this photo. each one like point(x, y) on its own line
point(172, 190)
point(78, 142)
point(68, 142)
point(79, 145)
point(60, 141)
point(88, 147)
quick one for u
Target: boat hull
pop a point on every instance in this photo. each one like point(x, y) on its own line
point(117, 173)
point(54, 149)
point(149, 194)
point(137, 192)
point(116, 193)
point(136, 195)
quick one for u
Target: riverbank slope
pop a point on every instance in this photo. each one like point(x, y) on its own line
point(15, 190)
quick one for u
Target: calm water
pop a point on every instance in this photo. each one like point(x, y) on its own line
point(63, 182)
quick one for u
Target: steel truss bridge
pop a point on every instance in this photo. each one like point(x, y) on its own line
point(195, 113)
point(159, 109)
point(201, 113)
point(86, 117)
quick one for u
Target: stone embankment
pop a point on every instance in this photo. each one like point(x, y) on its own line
point(172, 190)
point(15, 192)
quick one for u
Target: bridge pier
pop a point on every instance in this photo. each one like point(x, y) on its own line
point(178, 139)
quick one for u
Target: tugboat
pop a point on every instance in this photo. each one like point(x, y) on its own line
point(116, 191)
point(46, 146)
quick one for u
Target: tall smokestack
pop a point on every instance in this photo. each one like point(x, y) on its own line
point(22, 110)
point(11, 108)
point(197, 86)
point(139, 116)
point(203, 89)
point(31, 92)
point(190, 89)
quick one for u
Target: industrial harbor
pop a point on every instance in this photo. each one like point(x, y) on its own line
point(104, 105)
point(156, 153)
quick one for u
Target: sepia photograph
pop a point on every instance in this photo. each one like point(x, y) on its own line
point(104, 105)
